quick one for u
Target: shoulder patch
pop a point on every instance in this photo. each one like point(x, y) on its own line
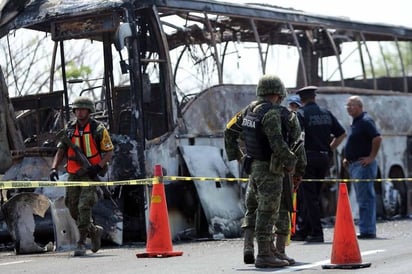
point(233, 120)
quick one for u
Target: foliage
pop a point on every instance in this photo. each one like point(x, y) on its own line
point(28, 63)
point(388, 64)
point(77, 72)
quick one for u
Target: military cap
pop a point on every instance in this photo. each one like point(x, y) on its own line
point(307, 91)
point(83, 102)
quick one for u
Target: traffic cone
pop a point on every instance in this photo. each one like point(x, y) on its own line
point(345, 248)
point(159, 241)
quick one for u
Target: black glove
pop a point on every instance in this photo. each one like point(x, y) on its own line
point(54, 176)
point(93, 170)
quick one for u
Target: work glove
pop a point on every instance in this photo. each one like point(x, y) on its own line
point(54, 176)
point(93, 170)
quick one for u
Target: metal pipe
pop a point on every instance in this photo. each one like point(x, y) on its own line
point(301, 61)
point(66, 96)
point(335, 49)
point(257, 38)
point(375, 83)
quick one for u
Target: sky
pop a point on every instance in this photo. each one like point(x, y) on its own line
point(394, 12)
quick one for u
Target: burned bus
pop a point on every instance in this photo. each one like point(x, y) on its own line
point(167, 76)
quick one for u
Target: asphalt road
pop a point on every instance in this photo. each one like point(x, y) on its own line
point(390, 253)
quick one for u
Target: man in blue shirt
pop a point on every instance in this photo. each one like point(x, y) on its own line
point(361, 149)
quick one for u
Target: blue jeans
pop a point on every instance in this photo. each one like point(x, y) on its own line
point(365, 195)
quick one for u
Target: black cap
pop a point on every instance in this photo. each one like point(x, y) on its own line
point(307, 91)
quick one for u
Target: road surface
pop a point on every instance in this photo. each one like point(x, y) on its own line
point(390, 253)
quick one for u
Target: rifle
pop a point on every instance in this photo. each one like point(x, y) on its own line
point(289, 195)
point(81, 158)
point(287, 180)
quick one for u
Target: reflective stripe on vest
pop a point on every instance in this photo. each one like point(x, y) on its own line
point(87, 144)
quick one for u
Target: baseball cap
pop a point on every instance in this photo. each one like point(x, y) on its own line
point(294, 99)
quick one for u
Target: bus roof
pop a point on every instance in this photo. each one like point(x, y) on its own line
point(32, 14)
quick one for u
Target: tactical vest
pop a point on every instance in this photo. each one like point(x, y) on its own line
point(257, 144)
point(86, 142)
point(284, 117)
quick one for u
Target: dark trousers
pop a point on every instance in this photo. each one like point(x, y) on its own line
point(308, 196)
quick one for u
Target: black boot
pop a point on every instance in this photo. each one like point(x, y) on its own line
point(248, 247)
point(81, 243)
point(95, 233)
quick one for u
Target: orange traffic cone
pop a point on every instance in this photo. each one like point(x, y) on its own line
point(159, 241)
point(345, 248)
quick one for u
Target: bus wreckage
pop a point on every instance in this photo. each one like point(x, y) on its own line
point(166, 77)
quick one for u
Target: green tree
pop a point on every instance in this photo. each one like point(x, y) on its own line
point(389, 64)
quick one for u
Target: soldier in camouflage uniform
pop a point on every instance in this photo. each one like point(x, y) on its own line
point(290, 183)
point(268, 153)
point(94, 141)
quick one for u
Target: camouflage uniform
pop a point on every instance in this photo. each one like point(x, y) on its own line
point(283, 224)
point(263, 196)
point(80, 200)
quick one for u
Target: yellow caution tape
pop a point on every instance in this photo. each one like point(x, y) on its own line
point(327, 180)
point(149, 181)
point(35, 184)
point(184, 178)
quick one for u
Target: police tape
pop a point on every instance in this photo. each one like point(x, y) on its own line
point(215, 179)
point(327, 180)
point(35, 184)
point(149, 181)
point(343, 180)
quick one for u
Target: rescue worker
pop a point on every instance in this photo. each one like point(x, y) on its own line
point(94, 141)
point(263, 129)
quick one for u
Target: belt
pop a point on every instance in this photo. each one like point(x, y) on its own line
point(352, 161)
point(315, 151)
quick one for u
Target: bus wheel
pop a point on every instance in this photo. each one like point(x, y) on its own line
point(394, 194)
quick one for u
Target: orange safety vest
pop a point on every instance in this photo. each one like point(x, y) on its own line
point(87, 144)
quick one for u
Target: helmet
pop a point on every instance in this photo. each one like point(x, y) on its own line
point(270, 84)
point(83, 102)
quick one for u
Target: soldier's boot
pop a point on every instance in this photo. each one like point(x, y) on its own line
point(95, 233)
point(81, 244)
point(279, 249)
point(265, 257)
point(248, 247)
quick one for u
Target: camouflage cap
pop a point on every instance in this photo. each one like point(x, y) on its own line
point(270, 84)
point(83, 102)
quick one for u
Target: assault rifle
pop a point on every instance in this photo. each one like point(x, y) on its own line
point(81, 158)
point(287, 180)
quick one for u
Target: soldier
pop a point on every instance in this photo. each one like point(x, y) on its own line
point(94, 141)
point(265, 126)
point(290, 184)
